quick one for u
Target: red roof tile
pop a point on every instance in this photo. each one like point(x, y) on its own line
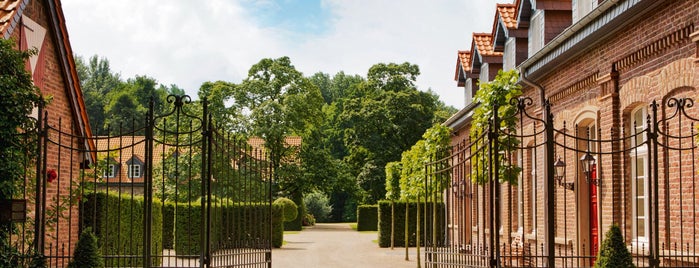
point(483, 42)
point(465, 60)
point(508, 15)
point(8, 9)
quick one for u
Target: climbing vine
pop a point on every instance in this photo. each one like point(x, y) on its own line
point(496, 93)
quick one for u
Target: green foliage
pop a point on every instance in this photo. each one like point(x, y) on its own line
point(297, 223)
point(290, 209)
point(613, 252)
point(117, 221)
point(309, 220)
point(497, 93)
point(96, 81)
point(318, 205)
point(393, 171)
point(19, 97)
point(367, 217)
point(400, 207)
point(277, 225)
point(169, 225)
point(435, 144)
point(246, 223)
point(87, 254)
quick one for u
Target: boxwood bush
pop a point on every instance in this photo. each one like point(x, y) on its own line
point(367, 218)
point(117, 221)
point(399, 238)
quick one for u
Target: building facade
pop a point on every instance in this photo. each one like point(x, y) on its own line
point(618, 78)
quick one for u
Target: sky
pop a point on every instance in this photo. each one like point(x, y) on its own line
point(186, 42)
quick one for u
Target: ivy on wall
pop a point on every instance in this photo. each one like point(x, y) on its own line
point(496, 93)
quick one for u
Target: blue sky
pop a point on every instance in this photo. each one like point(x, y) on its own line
point(187, 42)
point(303, 17)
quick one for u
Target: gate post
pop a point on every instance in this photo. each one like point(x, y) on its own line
point(652, 133)
point(39, 195)
point(494, 173)
point(147, 185)
point(207, 140)
point(549, 198)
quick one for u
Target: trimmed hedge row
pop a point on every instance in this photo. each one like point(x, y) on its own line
point(233, 225)
point(399, 238)
point(367, 218)
point(118, 224)
point(169, 225)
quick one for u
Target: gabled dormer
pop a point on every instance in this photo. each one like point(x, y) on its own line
point(485, 61)
point(463, 75)
point(545, 20)
point(508, 37)
point(134, 168)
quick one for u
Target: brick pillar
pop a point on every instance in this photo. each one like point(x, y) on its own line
point(610, 192)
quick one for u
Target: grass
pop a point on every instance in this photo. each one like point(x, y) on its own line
point(353, 225)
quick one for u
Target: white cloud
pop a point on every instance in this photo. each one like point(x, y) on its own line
point(190, 42)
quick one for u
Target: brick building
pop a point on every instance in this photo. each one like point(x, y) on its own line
point(40, 24)
point(600, 65)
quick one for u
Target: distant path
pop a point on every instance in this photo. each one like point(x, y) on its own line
point(336, 245)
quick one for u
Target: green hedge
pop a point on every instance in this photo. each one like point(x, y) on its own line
point(118, 224)
point(232, 225)
point(399, 238)
point(367, 218)
point(169, 225)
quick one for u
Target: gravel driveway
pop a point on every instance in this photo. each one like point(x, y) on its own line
point(336, 245)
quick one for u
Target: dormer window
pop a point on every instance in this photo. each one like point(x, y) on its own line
point(111, 169)
point(135, 168)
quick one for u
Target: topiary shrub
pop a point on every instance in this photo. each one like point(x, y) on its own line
point(614, 252)
point(368, 218)
point(87, 254)
point(289, 209)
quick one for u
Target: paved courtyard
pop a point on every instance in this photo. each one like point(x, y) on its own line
point(337, 245)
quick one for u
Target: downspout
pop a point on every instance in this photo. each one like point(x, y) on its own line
point(523, 76)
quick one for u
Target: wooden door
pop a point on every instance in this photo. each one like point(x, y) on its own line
point(594, 225)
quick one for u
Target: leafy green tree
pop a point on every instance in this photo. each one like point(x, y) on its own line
point(96, 82)
point(19, 97)
point(280, 102)
point(318, 205)
point(389, 119)
point(497, 92)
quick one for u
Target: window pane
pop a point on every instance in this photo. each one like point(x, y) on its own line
point(640, 207)
point(640, 167)
point(641, 227)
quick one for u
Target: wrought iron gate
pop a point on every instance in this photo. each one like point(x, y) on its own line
point(573, 182)
point(168, 190)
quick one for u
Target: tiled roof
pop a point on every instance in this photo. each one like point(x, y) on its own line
point(483, 42)
point(465, 60)
point(8, 9)
point(508, 15)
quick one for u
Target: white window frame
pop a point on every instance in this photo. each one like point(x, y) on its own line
point(134, 171)
point(641, 153)
point(110, 171)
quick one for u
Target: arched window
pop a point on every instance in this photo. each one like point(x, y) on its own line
point(639, 174)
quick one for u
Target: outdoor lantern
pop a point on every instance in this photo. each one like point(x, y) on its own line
point(588, 161)
point(559, 170)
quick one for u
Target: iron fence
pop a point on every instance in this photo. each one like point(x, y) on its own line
point(573, 182)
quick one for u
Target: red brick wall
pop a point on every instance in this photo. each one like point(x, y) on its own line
point(63, 234)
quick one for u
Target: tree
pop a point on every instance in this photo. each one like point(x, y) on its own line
point(280, 102)
point(19, 97)
point(389, 119)
point(96, 82)
point(86, 253)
